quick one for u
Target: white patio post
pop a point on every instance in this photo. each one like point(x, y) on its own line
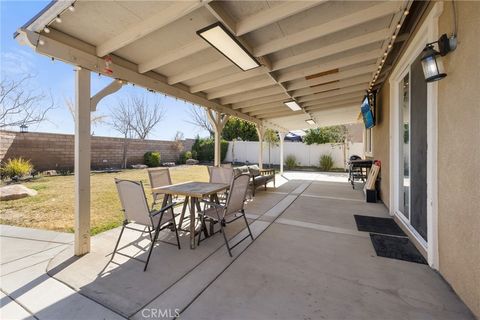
point(261, 134)
point(218, 121)
point(281, 135)
point(82, 162)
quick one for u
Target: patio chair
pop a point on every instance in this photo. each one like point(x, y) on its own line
point(221, 175)
point(159, 177)
point(136, 211)
point(228, 213)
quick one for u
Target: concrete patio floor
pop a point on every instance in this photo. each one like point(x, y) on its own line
point(308, 261)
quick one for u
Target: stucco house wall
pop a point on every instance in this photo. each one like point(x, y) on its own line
point(458, 167)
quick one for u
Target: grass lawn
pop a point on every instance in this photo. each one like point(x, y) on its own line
point(53, 207)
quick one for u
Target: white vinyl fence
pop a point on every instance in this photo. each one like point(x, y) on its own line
point(306, 155)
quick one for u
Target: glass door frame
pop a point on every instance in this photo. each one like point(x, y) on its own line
point(427, 32)
point(400, 133)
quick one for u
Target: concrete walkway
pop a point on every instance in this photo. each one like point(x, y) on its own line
point(308, 261)
point(27, 292)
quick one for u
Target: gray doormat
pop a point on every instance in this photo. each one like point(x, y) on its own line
point(378, 225)
point(396, 248)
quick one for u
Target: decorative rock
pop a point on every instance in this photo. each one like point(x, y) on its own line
point(50, 173)
point(139, 166)
point(191, 162)
point(16, 191)
point(168, 164)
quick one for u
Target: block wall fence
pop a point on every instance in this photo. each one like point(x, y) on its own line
point(49, 151)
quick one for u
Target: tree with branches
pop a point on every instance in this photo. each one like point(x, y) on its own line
point(198, 117)
point(135, 117)
point(95, 118)
point(271, 137)
point(21, 105)
point(146, 115)
point(121, 122)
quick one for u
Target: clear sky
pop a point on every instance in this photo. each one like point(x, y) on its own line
point(58, 78)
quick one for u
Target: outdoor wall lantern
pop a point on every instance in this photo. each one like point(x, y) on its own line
point(23, 128)
point(432, 63)
point(218, 36)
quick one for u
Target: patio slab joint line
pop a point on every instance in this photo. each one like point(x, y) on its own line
point(19, 304)
point(302, 187)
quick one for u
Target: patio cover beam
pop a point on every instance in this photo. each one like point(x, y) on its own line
point(173, 55)
point(340, 75)
point(122, 69)
point(82, 162)
point(217, 65)
point(272, 15)
point(156, 21)
point(281, 135)
point(331, 86)
point(223, 81)
point(329, 27)
point(337, 47)
point(218, 121)
point(223, 17)
point(288, 75)
point(261, 135)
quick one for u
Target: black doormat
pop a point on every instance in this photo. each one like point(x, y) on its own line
point(378, 225)
point(396, 248)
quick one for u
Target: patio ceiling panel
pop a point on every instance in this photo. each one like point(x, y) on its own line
point(242, 86)
point(331, 23)
point(326, 106)
point(333, 85)
point(199, 71)
point(252, 94)
point(316, 67)
point(295, 41)
point(260, 101)
point(263, 106)
point(232, 78)
point(338, 74)
point(356, 96)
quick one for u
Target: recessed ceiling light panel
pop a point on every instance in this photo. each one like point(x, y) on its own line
point(293, 105)
point(227, 44)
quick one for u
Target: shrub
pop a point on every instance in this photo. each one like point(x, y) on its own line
point(194, 154)
point(326, 162)
point(184, 156)
point(290, 162)
point(204, 149)
point(152, 158)
point(17, 167)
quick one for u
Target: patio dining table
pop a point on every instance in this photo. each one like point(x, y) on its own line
point(193, 193)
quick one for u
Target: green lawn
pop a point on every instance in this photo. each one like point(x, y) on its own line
point(53, 207)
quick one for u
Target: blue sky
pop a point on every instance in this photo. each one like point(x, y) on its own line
point(58, 79)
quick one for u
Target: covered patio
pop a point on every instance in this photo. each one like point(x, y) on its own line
point(281, 65)
point(308, 261)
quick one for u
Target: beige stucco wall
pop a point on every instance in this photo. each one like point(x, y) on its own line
point(381, 141)
point(459, 156)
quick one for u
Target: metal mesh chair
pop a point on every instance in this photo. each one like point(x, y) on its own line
point(230, 212)
point(159, 177)
point(221, 175)
point(136, 211)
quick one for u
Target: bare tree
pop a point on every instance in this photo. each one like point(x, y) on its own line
point(95, 118)
point(21, 105)
point(145, 115)
point(198, 117)
point(178, 145)
point(121, 122)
